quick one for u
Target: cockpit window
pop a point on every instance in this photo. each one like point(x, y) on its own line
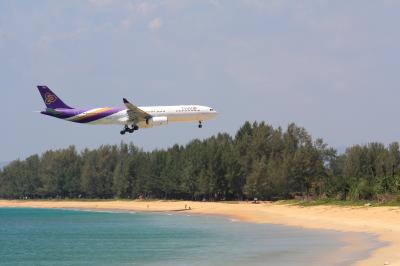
point(211, 109)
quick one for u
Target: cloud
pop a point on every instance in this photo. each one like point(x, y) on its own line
point(215, 3)
point(100, 3)
point(155, 24)
point(143, 8)
point(125, 24)
point(272, 4)
point(43, 42)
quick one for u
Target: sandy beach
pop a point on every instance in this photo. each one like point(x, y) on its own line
point(384, 222)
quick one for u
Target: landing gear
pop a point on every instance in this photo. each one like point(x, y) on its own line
point(128, 129)
point(200, 125)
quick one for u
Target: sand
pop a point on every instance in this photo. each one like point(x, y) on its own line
point(384, 222)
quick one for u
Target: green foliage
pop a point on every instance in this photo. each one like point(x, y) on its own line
point(259, 161)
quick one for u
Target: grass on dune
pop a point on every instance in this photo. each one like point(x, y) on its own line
point(345, 203)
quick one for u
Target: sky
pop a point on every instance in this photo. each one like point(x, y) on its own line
point(329, 66)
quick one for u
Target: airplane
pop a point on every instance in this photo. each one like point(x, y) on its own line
point(131, 117)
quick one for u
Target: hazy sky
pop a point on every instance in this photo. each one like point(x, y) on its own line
point(330, 66)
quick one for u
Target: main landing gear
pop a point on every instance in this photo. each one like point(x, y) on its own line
point(129, 129)
point(200, 124)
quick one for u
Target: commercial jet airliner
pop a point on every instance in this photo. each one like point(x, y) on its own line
point(131, 117)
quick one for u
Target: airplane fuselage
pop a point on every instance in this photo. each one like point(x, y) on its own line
point(160, 115)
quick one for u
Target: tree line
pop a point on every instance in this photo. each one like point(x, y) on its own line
point(259, 161)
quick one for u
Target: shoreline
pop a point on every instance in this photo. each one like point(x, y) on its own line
point(382, 222)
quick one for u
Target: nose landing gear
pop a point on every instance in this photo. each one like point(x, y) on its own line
point(200, 124)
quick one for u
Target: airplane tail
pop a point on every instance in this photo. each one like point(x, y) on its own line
point(50, 98)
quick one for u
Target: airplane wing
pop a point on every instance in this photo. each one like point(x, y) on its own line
point(135, 113)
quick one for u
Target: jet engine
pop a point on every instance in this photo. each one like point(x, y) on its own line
point(157, 121)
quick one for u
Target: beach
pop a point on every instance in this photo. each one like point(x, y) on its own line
point(383, 222)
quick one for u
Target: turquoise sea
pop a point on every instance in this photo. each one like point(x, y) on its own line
point(72, 237)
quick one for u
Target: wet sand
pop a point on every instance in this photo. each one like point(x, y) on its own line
point(384, 222)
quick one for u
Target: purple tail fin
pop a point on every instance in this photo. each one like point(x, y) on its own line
point(50, 98)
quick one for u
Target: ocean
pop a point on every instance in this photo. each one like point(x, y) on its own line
point(75, 237)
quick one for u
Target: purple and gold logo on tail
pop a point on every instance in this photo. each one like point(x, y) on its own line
point(50, 98)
